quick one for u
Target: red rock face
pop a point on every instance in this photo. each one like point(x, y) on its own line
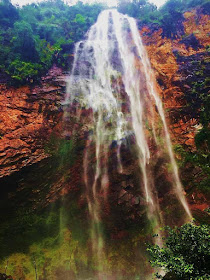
point(174, 62)
point(28, 117)
point(163, 54)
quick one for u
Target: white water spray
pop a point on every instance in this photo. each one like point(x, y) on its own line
point(111, 71)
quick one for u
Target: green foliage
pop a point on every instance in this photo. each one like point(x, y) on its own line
point(185, 252)
point(8, 14)
point(21, 70)
point(35, 36)
point(198, 99)
point(202, 139)
point(23, 41)
point(27, 226)
point(198, 162)
point(141, 9)
point(194, 164)
point(48, 257)
point(170, 11)
point(169, 17)
point(195, 3)
point(38, 35)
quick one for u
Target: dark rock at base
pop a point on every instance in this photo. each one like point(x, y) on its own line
point(171, 276)
point(3, 276)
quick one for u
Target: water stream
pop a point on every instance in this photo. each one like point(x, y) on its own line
point(113, 77)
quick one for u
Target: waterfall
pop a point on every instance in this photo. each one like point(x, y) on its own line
point(112, 77)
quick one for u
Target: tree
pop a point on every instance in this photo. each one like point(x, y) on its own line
point(23, 71)
point(185, 253)
point(8, 13)
point(24, 42)
point(172, 19)
point(140, 9)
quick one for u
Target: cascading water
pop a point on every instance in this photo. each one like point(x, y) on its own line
point(112, 76)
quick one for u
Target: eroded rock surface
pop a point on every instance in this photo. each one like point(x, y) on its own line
point(28, 116)
point(173, 61)
point(31, 114)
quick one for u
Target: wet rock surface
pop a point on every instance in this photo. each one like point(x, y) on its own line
point(177, 65)
point(28, 116)
point(33, 144)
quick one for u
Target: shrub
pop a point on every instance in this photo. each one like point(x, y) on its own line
point(185, 253)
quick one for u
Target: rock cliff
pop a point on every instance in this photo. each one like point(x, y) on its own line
point(28, 116)
point(31, 114)
point(181, 67)
point(174, 62)
point(43, 198)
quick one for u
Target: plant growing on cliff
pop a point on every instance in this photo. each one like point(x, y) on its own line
point(185, 253)
point(35, 36)
point(23, 71)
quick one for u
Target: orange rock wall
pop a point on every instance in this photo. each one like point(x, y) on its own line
point(28, 116)
point(164, 62)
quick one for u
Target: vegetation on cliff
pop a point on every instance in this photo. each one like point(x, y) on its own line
point(36, 35)
point(194, 72)
point(52, 237)
point(169, 17)
point(185, 254)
